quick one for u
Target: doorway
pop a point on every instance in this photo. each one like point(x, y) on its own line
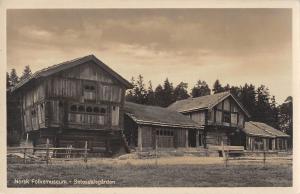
point(192, 137)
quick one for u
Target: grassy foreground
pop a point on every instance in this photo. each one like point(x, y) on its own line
point(188, 172)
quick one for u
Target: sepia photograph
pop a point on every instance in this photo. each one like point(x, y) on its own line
point(149, 97)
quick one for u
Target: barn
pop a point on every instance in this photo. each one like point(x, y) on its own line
point(221, 115)
point(260, 136)
point(149, 126)
point(73, 102)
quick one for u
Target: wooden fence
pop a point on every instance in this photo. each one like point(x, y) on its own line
point(50, 152)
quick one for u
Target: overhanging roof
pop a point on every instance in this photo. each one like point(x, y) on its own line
point(69, 64)
point(203, 102)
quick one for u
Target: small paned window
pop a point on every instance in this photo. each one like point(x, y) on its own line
point(114, 108)
point(81, 108)
point(89, 109)
point(96, 109)
point(103, 110)
point(89, 87)
point(157, 132)
point(226, 117)
point(60, 103)
point(73, 107)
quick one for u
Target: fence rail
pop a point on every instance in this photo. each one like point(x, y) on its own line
point(49, 152)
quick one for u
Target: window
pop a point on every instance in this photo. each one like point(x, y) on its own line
point(73, 107)
point(89, 87)
point(114, 108)
point(103, 110)
point(81, 108)
point(60, 103)
point(96, 109)
point(89, 109)
point(226, 117)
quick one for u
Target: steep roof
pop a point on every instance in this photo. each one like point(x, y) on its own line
point(154, 115)
point(262, 129)
point(203, 102)
point(69, 64)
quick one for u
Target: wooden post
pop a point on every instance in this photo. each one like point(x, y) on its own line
point(24, 155)
point(140, 143)
point(47, 151)
point(156, 146)
point(197, 138)
point(285, 144)
point(264, 158)
point(224, 153)
point(85, 151)
point(186, 138)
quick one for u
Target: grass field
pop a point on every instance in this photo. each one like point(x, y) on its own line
point(170, 172)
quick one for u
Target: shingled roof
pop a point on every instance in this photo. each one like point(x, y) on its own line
point(158, 116)
point(203, 102)
point(69, 64)
point(262, 129)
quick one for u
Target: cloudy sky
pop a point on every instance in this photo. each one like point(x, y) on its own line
point(236, 46)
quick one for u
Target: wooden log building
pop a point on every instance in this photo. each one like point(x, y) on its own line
point(73, 102)
point(260, 136)
point(149, 126)
point(221, 116)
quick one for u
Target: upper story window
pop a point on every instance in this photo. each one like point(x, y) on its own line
point(94, 109)
point(89, 91)
point(226, 117)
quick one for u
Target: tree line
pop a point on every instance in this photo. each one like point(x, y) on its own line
point(258, 101)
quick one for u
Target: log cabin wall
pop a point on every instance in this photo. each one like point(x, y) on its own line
point(84, 97)
point(33, 107)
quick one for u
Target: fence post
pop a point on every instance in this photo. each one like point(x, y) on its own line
point(224, 153)
point(85, 152)
point(24, 155)
point(264, 158)
point(156, 148)
point(47, 151)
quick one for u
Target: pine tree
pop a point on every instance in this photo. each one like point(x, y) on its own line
point(200, 89)
point(168, 93)
point(130, 97)
point(8, 85)
point(217, 88)
point(150, 97)
point(14, 79)
point(285, 118)
point(159, 96)
point(180, 91)
point(26, 73)
point(140, 91)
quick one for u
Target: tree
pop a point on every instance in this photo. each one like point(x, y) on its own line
point(8, 85)
point(130, 97)
point(168, 93)
point(150, 97)
point(14, 79)
point(159, 93)
point(26, 73)
point(285, 118)
point(200, 89)
point(263, 110)
point(180, 91)
point(217, 88)
point(248, 98)
point(140, 91)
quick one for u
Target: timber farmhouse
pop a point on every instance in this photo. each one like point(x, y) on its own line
point(83, 100)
